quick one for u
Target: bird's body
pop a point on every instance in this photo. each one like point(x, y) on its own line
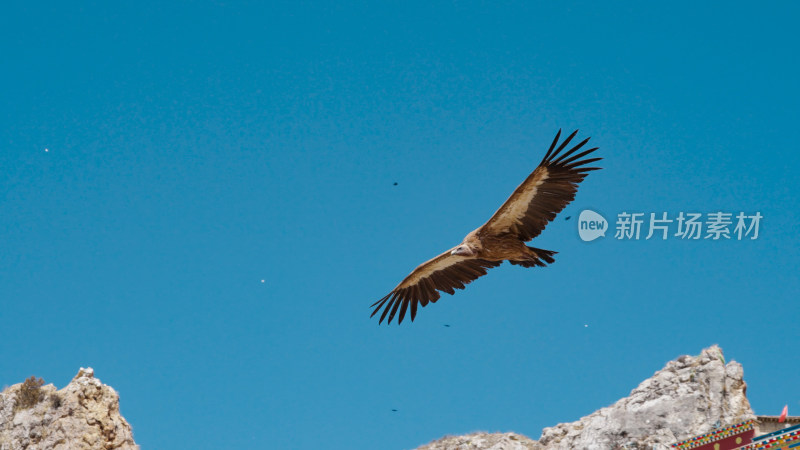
point(521, 218)
point(501, 247)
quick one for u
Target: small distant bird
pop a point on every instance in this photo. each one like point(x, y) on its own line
point(533, 205)
point(395, 183)
point(394, 410)
point(447, 326)
point(568, 217)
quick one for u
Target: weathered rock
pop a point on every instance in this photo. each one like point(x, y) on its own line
point(687, 397)
point(82, 415)
point(483, 441)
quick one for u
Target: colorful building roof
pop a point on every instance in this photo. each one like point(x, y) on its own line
point(781, 439)
point(721, 438)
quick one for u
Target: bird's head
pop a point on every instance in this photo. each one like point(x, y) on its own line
point(463, 250)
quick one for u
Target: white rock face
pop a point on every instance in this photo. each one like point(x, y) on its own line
point(685, 398)
point(82, 415)
point(483, 441)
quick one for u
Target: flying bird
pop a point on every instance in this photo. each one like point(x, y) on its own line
point(534, 204)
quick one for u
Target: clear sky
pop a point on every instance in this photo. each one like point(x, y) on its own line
point(198, 200)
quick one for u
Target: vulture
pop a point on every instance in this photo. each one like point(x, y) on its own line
point(535, 203)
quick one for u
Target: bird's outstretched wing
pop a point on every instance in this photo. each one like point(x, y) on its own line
point(544, 193)
point(445, 272)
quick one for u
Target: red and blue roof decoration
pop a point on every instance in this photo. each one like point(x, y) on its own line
point(787, 438)
point(725, 438)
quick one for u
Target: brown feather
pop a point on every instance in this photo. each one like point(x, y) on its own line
point(445, 273)
point(545, 193)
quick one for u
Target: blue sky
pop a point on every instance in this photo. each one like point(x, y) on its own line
point(159, 160)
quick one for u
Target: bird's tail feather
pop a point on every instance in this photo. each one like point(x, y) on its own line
point(536, 258)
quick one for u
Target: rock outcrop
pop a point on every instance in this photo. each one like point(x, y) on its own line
point(483, 441)
point(82, 415)
point(687, 397)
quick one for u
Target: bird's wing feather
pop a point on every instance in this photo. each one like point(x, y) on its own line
point(545, 192)
point(445, 272)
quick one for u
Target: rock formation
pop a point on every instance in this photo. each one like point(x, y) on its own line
point(687, 397)
point(82, 415)
point(483, 441)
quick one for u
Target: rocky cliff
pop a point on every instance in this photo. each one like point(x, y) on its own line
point(685, 398)
point(82, 415)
